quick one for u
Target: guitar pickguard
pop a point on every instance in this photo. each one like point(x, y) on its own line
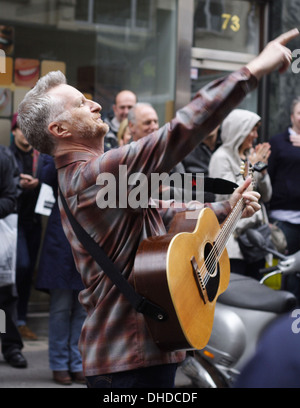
point(208, 277)
point(199, 280)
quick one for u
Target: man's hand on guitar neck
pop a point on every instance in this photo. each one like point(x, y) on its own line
point(250, 198)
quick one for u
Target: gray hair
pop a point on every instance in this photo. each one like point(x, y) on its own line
point(294, 103)
point(132, 112)
point(38, 109)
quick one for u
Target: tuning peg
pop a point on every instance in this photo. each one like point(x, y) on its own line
point(242, 168)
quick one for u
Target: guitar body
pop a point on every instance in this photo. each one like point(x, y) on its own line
point(180, 273)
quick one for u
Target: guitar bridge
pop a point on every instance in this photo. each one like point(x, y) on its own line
point(199, 280)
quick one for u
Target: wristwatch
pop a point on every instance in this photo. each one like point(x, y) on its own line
point(260, 166)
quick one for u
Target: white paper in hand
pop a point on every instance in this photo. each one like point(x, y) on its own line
point(45, 200)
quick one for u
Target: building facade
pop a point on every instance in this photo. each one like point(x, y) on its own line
point(163, 50)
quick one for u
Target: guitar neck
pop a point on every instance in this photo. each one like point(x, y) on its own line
point(229, 226)
point(235, 215)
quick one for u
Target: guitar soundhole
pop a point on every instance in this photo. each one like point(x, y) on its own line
point(212, 267)
point(210, 259)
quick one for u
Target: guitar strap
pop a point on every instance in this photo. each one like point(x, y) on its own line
point(218, 186)
point(140, 303)
point(211, 185)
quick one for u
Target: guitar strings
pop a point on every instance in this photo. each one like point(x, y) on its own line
point(226, 232)
point(230, 224)
point(221, 241)
point(223, 237)
point(227, 229)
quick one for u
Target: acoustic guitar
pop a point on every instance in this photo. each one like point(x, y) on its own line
point(184, 273)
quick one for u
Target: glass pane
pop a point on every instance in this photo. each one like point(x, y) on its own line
point(231, 25)
point(140, 56)
point(116, 12)
point(143, 13)
point(82, 10)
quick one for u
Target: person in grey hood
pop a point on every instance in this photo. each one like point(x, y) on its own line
point(238, 135)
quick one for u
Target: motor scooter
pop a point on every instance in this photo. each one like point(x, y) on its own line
point(242, 313)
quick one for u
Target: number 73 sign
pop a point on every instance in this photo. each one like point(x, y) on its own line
point(231, 22)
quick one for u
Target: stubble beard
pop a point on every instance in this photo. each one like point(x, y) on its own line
point(95, 131)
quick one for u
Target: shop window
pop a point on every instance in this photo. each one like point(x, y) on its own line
point(136, 14)
point(101, 46)
point(231, 25)
point(226, 37)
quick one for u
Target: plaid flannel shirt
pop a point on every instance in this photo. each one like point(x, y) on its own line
point(114, 336)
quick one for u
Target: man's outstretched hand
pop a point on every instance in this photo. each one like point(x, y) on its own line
point(274, 56)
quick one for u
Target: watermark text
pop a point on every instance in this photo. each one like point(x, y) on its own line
point(2, 322)
point(136, 190)
point(2, 62)
point(296, 322)
point(296, 61)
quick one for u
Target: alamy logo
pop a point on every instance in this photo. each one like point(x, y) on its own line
point(2, 321)
point(296, 61)
point(2, 62)
point(296, 322)
point(136, 190)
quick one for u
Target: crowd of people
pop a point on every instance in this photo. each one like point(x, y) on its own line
point(95, 335)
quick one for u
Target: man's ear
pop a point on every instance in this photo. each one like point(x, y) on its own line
point(130, 125)
point(57, 129)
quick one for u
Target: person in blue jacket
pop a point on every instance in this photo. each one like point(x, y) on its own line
point(29, 162)
point(57, 275)
point(276, 362)
point(284, 170)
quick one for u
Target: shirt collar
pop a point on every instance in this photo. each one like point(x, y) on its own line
point(67, 158)
point(291, 131)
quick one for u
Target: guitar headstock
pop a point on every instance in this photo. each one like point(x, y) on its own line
point(246, 170)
